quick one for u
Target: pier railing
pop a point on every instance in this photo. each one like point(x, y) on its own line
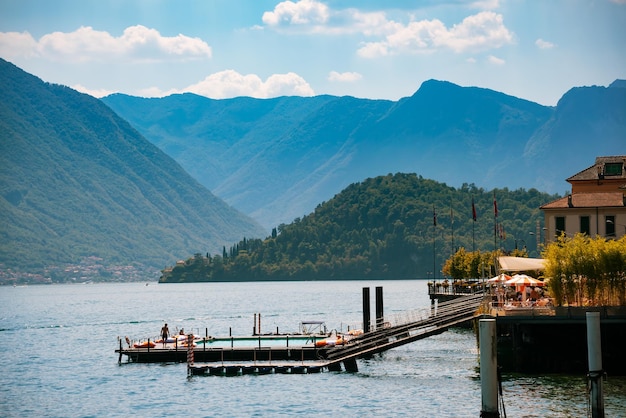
point(439, 319)
point(456, 288)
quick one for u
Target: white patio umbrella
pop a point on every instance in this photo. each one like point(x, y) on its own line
point(523, 280)
point(500, 278)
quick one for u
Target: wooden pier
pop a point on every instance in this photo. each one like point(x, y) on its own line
point(344, 357)
point(204, 353)
point(545, 339)
point(258, 368)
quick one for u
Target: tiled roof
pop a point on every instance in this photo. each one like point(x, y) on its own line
point(591, 173)
point(588, 200)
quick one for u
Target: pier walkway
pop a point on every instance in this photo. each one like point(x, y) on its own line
point(406, 328)
point(443, 316)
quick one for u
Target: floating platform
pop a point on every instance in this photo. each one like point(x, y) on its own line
point(240, 369)
point(230, 349)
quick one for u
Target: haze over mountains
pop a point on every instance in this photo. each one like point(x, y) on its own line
point(78, 181)
point(276, 159)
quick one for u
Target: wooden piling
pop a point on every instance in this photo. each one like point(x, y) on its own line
point(380, 317)
point(488, 368)
point(595, 375)
point(366, 309)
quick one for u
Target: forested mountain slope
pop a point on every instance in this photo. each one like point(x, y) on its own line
point(78, 181)
point(388, 227)
point(276, 159)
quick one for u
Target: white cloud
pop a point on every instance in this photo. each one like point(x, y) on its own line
point(541, 44)
point(17, 44)
point(229, 83)
point(95, 93)
point(155, 92)
point(137, 43)
point(373, 50)
point(496, 60)
point(485, 4)
point(303, 12)
point(347, 77)
point(482, 31)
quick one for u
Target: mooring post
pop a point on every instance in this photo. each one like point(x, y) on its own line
point(380, 317)
point(189, 353)
point(488, 368)
point(350, 365)
point(254, 325)
point(366, 309)
point(595, 375)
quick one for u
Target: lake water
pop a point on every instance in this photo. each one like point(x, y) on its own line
point(58, 357)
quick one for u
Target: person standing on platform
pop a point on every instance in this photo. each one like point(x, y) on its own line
point(165, 333)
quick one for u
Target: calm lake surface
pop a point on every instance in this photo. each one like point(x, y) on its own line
point(58, 357)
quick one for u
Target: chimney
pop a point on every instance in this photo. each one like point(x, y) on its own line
point(569, 201)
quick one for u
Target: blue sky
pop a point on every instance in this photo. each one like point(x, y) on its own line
point(534, 49)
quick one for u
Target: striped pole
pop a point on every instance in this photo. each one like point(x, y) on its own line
point(189, 353)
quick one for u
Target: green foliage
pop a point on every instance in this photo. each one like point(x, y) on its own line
point(471, 265)
point(381, 228)
point(78, 181)
point(587, 271)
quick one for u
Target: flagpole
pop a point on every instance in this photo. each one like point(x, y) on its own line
point(495, 232)
point(434, 249)
point(452, 227)
point(495, 222)
point(473, 240)
point(473, 224)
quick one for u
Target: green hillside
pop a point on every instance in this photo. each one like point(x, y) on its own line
point(276, 159)
point(381, 228)
point(77, 181)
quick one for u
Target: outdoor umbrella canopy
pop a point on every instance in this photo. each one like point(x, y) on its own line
point(523, 280)
point(499, 278)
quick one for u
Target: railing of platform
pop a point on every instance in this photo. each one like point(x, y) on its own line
point(457, 288)
point(453, 307)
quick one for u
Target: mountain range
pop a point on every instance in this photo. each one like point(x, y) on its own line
point(277, 159)
point(125, 180)
point(78, 181)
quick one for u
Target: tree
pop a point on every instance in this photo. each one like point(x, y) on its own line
point(586, 271)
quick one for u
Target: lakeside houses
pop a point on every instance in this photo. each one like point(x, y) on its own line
point(596, 205)
point(88, 270)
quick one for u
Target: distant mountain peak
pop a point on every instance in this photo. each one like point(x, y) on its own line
point(277, 159)
point(618, 84)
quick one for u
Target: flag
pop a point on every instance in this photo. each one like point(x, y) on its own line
point(473, 210)
point(495, 205)
point(434, 217)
